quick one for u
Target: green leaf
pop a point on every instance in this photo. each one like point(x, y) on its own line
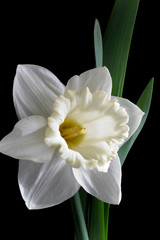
point(98, 45)
point(97, 228)
point(117, 40)
point(106, 219)
point(144, 103)
point(79, 221)
point(86, 205)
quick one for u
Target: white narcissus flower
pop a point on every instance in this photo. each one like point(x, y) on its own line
point(71, 135)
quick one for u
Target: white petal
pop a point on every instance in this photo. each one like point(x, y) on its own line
point(104, 186)
point(48, 184)
point(95, 79)
point(34, 90)
point(26, 141)
point(134, 112)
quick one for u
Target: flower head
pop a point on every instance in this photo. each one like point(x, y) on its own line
point(88, 128)
point(71, 135)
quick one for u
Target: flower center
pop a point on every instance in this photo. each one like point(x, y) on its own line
point(69, 133)
point(72, 132)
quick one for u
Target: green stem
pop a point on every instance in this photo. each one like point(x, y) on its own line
point(78, 217)
point(106, 214)
point(97, 227)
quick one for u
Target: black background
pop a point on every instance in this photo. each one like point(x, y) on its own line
point(60, 38)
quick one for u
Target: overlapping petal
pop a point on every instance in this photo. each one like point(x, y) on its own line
point(34, 91)
point(26, 141)
point(96, 79)
point(134, 112)
point(104, 186)
point(48, 184)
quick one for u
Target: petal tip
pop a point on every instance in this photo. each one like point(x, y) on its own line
point(20, 67)
point(105, 68)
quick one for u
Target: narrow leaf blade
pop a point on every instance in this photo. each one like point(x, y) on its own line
point(78, 216)
point(98, 45)
point(117, 40)
point(144, 103)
